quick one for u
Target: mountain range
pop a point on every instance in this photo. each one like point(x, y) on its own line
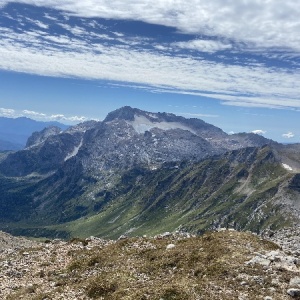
point(14, 132)
point(138, 173)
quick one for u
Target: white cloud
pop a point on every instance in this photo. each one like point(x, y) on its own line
point(288, 135)
point(58, 39)
point(119, 34)
point(76, 30)
point(158, 71)
point(76, 119)
point(194, 115)
point(203, 45)
point(265, 23)
point(259, 131)
point(45, 54)
point(161, 47)
point(62, 118)
point(33, 113)
point(7, 112)
point(50, 17)
point(39, 116)
point(38, 23)
point(57, 117)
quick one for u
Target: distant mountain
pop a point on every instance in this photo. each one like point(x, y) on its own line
point(140, 172)
point(7, 145)
point(14, 132)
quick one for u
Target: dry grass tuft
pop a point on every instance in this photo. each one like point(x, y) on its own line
point(205, 267)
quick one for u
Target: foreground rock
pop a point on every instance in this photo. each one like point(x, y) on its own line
point(9, 243)
point(218, 265)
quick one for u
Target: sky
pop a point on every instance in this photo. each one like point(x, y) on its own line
point(234, 64)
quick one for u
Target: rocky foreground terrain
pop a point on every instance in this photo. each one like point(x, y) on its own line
point(224, 264)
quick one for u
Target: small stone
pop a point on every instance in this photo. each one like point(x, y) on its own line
point(259, 260)
point(293, 292)
point(222, 229)
point(166, 234)
point(295, 282)
point(170, 246)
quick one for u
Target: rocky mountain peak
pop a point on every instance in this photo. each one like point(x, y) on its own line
point(40, 136)
point(123, 113)
point(143, 121)
point(128, 113)
point(81, 127)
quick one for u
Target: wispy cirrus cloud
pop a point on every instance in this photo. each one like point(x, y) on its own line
point(186, 75)
point(209, 46)
point(38, 23)
point(268, 23)
point(196, 115)
point(85, 52)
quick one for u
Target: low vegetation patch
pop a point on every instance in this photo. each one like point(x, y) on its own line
point(205, 267)
point(172, 266)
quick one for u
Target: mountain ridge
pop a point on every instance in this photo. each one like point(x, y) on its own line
point(133, 136)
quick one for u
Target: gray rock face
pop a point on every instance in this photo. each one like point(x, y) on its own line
point(288, 239)
point(10, 243)
point(46, 151)
point(293, 292)
point(40, 136)
point(41, 158)
point(119, 145)
point(295, 282)
point(260, 259)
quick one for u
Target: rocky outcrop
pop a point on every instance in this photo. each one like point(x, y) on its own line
point(40, 136)
point(9, 243)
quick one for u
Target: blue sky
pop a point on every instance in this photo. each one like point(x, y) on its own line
point(234, 64)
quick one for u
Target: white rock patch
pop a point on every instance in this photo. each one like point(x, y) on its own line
point(142, 124)
point(287, 167)
point(75, 151)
